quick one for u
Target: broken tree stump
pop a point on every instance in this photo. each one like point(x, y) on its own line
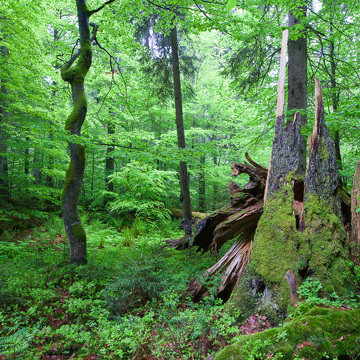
point(300, 233)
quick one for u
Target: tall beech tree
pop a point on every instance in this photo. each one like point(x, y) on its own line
point(166, 52)
point(74, 72)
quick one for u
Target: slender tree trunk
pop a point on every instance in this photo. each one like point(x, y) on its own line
point(75, 75)
point(27, 154)
point(297, 81)
point(184, 179)
point(215, 189)
point(37, 174)
point(92, 174)
point(49, 178)
point(110, 161)
point(335, 101)
point(4, 170)
point(202, 189)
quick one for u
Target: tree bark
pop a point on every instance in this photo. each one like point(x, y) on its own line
point(335, 100)
point(184, 179)
point(75, 75)
point(110, 162)
point(297, 80)
point(355, 216)
point(239, 218)
point(300, 233)
point(202, 188)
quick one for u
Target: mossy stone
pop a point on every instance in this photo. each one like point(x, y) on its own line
point(318, 332)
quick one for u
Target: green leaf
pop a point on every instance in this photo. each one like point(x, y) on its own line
point(230, 4)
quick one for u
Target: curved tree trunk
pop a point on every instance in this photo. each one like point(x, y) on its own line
point(75, 75)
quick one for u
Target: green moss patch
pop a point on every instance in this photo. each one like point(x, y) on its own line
point(316, 334)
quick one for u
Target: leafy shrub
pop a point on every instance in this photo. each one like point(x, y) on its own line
point(143, 191)
point(313, 293)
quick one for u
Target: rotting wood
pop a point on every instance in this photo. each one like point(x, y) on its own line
point(232, 265)
point(354, 238)
point(243, 212)
point(282, 73)
point(241, 216)
point(322, 176)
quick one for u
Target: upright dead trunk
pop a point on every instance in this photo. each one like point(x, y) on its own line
point(75, 75)
point(335, 99)
point(184, 179)
point(297, 79)
point(300, 233)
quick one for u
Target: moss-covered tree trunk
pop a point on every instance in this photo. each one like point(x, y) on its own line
point(300, 233)
point(75, 74)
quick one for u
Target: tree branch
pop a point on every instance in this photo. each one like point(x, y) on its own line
point(95, 29)
point(205, 14)
point(100, 7)
point(159, 6)
point(120, 146)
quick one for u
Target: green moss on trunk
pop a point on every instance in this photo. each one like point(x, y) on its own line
point(316, 250)
point(79, 232)
point(70, 172)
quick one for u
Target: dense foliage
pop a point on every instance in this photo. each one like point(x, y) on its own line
point(130, 301)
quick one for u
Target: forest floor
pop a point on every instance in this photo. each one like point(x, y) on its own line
point(130, 301)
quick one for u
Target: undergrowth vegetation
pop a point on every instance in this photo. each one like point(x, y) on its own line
point(131, 301)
